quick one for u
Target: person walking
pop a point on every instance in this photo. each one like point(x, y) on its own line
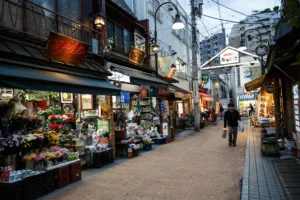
point(221, 111)
point(251, 111)
point(231, 118)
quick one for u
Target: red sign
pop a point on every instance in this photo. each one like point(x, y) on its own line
point(66, 49)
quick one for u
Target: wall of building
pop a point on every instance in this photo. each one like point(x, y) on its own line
point(211, 46)
point(265, 23)
point(169, 40)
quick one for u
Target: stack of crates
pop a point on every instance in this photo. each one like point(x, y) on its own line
point(269, 144)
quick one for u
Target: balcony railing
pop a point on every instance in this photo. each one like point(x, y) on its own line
point(36, 21)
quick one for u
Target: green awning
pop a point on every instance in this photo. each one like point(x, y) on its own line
point(35, 79)
point(141, 78)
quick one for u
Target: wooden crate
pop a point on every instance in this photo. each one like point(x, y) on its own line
point(63, 176)
point(75, 172)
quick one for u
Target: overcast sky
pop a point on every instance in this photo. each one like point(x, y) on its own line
point(210, 8)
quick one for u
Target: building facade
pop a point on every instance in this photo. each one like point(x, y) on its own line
point(174, 43)
point(211, 46)
point(243, 34)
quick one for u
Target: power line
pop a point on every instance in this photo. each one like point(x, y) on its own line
point(229, 8)
point(232, 21)
point(205, 27)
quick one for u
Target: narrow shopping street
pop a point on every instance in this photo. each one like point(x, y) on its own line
point(199, 166)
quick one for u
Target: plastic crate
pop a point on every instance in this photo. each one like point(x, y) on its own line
point(75, 172)
point(103, 158)
point(39, 185)
point(11, 191)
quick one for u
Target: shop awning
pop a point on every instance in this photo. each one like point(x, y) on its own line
point(35, 79)
point(256, 83)
point(141, 78)
point(205, 97)
point(246, 97)
point(177, 89)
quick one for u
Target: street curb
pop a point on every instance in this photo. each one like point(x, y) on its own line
point(245, 186)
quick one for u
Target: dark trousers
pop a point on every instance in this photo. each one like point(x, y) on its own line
point(232, 134)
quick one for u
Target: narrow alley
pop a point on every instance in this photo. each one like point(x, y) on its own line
point(198, 166)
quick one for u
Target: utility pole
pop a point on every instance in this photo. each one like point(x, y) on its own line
point(196, 9)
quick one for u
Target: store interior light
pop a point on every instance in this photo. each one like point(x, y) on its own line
point(178, 24)
point(99, 22)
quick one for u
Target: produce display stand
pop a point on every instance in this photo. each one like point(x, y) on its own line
point(103, 158)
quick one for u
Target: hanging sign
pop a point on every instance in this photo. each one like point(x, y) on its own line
point(229, 57)
point(164, 63)
point(262, 50)
point(205, 78)
point(136, 56)
point(270, 87)
point(125, 97)
point(162, 107)
point(66, 49)
point(183, 95)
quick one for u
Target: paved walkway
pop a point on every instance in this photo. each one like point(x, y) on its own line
point(198, 166)
point(260, 180)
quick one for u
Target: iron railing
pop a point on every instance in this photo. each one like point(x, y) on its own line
point(37, 21)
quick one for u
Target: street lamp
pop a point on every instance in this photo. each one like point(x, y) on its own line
point(250, 37)
point(99, 22)
point(178, 24)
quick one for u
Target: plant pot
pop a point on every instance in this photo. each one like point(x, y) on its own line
point(144, 93)
point(130, 154)
point(55, 161)
point(147, 147)
point(39, 166)
point(64, 157)
point(29, 164)
point(42, 104)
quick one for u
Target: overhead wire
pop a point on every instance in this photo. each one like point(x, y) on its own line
point(205, 27)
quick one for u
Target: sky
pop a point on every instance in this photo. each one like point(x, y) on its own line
point(210, 8)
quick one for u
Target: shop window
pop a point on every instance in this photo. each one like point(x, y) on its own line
point(49, 4)
point(110, 29)
point(69, 10)
point(139, 42)
point(118, 37)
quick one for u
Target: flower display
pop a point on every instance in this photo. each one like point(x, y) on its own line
point(53, 137)
point(70, 120)
point(50, 156)
point(40, 157)
point(29, 157)
point(55, 119)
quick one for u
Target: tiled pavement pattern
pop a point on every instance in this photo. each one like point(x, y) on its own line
point(288, 171)
point(260, 180)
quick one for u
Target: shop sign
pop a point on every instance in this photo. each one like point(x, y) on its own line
point(247, 73)
point(136, 56)
point(163, 92)
point(103, 124)
point(162, 107)
point(66, 49)
point(195, 90)
point(125, 97)
point(229, 57)
point(183, 95)
point(205, 78)
point(164, 63)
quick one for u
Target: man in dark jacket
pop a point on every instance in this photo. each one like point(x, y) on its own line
point(231, 118)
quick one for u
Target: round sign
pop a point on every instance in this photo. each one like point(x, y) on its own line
point(106, 49)
point(262, 50)
point(270, 87)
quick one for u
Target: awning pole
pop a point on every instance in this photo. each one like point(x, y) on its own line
point(285, 73)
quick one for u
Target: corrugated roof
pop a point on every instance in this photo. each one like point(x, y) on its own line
point(124, 6)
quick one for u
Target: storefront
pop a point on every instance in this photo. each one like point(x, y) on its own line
point(244, 101)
